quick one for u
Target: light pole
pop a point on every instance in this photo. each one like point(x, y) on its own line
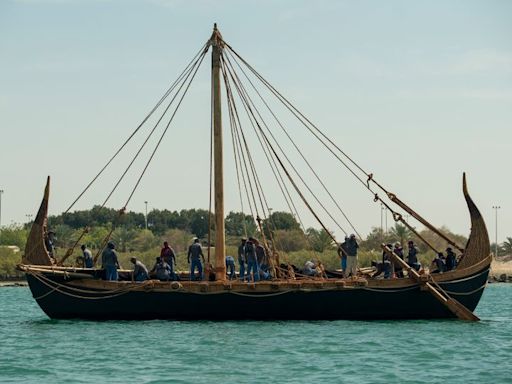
point(496, 207)
point(382, 221)
point(1, 192)
point(146, 217)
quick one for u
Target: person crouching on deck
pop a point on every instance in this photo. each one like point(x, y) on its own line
point(110, 262)
point(230, 267)
point(140, 272)
point(194, 251)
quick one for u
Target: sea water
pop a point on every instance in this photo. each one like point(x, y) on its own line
point(35, 349)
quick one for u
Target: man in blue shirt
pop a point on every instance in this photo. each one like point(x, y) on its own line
point(110, 262)
point(252, 259)
point(194, 251)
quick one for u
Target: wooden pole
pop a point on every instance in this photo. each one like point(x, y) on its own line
point(453, 305)
point(220, 257)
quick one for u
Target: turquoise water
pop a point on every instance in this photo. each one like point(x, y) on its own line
point(34, 349)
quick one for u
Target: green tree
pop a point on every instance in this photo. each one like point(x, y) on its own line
point(13, 235)
point(506, 247)
point(237, 223)
point(401, 233)
point(280, 221)
point(290, 241)
point(320, 240)
point(143, 241)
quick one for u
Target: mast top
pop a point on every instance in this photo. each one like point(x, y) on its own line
point(216, 38)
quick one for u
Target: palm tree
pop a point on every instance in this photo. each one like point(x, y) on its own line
point(401, 233)
point(506, 247)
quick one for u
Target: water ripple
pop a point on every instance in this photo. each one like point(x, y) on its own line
point(35, 349)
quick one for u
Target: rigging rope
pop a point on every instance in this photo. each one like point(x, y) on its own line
point(135, 131)
point(315, 131)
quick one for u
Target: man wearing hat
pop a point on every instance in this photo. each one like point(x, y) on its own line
point(352, 247)
point(110, 262)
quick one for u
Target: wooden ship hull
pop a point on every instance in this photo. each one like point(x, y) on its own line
point(62, 296)
point(67, 293)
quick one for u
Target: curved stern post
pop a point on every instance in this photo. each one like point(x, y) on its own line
point(478, 247)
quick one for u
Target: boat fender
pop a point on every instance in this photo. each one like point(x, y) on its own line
point(176, 285)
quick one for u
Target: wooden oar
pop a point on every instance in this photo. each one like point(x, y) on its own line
point(453, 305)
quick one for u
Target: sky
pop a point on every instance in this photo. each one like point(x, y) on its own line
point(415, 92)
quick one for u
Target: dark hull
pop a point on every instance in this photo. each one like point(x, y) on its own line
point(361, 303)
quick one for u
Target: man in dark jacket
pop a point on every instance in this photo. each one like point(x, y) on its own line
point(412, 256)
point(451, 259)
point(352, 247)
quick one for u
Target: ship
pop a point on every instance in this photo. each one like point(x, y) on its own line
point(74, 292)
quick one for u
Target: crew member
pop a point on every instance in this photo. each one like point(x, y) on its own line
point(168, 255)
point(412, 256)
point(110, 262)
point(140, 272)
point(342, 254)
point(230, 267)
point(241, 258)
point(252, 260)
point(352, 247)
point(88, 260)
point(451, 259)
point(194, 251)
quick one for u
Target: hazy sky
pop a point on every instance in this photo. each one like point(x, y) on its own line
point(417, 92)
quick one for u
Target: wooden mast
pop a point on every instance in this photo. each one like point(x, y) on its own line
point(220, 246)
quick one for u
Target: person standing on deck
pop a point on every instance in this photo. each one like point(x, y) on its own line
point(140, 272)
point(241, 258)
point(49, 242)
point(412, 256)
point(352, 247)
point(168, 255)
point(342, 254)
point(230, 267)
point(399, 251)
point(451, 259)
point(88, 260)
point(110, 262)
point(194, 251)
point(252, 260)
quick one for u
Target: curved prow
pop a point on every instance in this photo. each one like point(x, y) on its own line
point(35, 249)
point(477, 247)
